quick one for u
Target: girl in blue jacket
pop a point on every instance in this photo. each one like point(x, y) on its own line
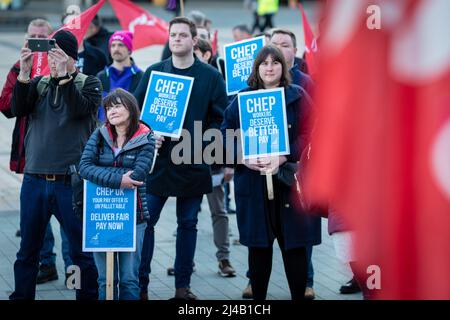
point(119, 155)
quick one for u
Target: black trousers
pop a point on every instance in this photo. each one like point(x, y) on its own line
point(268, 24)
point(260, 258)
point(295, 266)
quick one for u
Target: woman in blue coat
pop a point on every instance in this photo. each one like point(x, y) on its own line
point(119, 155)
point(261, 221)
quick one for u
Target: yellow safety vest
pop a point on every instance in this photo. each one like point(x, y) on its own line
point(267, 7)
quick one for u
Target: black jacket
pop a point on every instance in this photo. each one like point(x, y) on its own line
point(101, 41)
point(61, 121)
point(206, 106)
point(92, 60)
point(104, 77)
point(99, 164)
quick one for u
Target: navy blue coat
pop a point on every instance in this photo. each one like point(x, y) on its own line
point(207, 103)
point(298, 228)
point(99, 164)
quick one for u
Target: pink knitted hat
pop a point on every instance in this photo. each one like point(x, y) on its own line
point(125, 36)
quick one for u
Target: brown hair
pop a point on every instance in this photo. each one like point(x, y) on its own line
point(254, 80)
point(286, 32)
point(192, 27)
point(204, 46)
point(120, 96)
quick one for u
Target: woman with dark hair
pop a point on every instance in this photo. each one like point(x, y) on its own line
point(260, 220)
point(119, 155)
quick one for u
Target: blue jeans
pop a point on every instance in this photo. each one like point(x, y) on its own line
point(310, 272)
point(65, 249)
point(38, 198)
point(187, 210)
point(126, 270)
point(46, 255)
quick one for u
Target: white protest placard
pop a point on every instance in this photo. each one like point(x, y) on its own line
point(166, 102)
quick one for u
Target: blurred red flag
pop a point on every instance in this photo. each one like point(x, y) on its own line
point(147, 29)
point(214, 41)
point(78, 25)
point(381, 147)
point(310, 44)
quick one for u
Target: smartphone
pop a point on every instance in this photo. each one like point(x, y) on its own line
point(41, 45)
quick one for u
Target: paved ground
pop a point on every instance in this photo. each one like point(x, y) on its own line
point(206, 283)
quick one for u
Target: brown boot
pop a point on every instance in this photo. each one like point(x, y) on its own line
point(248, 292)
point(226, 269)
point(184, 294)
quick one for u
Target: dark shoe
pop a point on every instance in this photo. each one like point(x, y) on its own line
point(18, 234)
point(225, 269)
point(171, 270)
point(310, 294)
point(248, 292)
point(47, 272)
point(231, 211)
point(184, 294)
point(350, 287)
point(67, 275)
point(143, 296)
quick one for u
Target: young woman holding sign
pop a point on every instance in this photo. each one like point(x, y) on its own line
point(119, 155)
point(261, 220)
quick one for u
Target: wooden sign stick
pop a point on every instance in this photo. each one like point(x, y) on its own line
point(110, 275)
point(269, 183)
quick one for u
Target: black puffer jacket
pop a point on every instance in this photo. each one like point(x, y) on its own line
point(99, 164)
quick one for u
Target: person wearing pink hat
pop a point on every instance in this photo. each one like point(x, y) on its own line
point(123, 72)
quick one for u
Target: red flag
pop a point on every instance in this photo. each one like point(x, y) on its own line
point(310, 44)
point(78, 25)
point(214, 41)
point(147, 29)
point(381, 147)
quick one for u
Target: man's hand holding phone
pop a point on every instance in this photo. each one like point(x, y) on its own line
point(26, 63)
point(59, 59)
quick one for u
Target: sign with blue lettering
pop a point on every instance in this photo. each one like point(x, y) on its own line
point(166, 102)
point(239, 57)
point(109, 219)
point(262, 116)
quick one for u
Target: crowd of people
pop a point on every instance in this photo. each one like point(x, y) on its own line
point(86, 113)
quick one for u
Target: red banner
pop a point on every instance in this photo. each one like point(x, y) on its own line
point(78, 26)
point(310, 44)
point(381, 147)
point(147, 29)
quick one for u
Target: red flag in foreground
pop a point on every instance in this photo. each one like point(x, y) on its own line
point(310, 44)
point(147, 29)
point(78, 25)
point(381, 148)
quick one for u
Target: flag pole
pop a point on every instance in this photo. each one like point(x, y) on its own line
point(182, 8)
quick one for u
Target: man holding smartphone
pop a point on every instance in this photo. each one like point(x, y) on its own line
point(37, 29)
point(63, 109)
